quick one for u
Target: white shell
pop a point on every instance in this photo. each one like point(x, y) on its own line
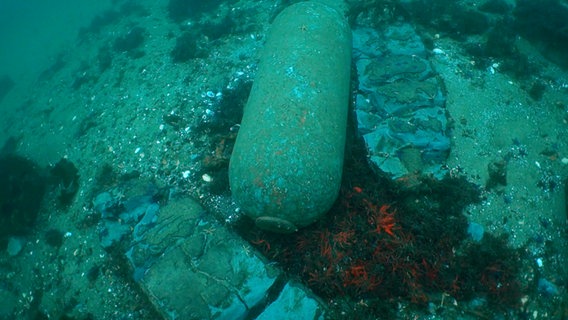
point(438, 51)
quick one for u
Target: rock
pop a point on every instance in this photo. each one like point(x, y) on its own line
point(475, 231)
point(400, 103)
point(294, 302)
point(547, 288)
point(193, 268)
point(15, 245)
point(124, 217)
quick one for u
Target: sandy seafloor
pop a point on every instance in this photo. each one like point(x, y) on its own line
point(124, 117)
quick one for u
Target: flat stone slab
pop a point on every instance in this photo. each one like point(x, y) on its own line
point(190, 266)
point(400, 104)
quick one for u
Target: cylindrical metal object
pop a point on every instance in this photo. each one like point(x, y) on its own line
point(286, 166)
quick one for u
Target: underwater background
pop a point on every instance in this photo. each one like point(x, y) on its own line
point(118, 123)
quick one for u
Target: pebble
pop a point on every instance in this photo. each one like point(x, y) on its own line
point(547, 288)
point(15, 245)
point(475, 231)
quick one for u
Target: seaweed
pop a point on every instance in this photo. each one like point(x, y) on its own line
point(83, 76)
point(111, 16)
point(496, 6)
point(57, 65)
point(99, 22)
point(22, 188)
point(65, 176)
point(546, 24)
point(186, 48)
point(537, 90)
point(491, 267)
point(10, 145)
point(452, 17)
point(104, 58)
point(384, 242)
point(54, 238)
point(6, 84)
point(218, 28)
point(180, 10)
point(131, 42)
